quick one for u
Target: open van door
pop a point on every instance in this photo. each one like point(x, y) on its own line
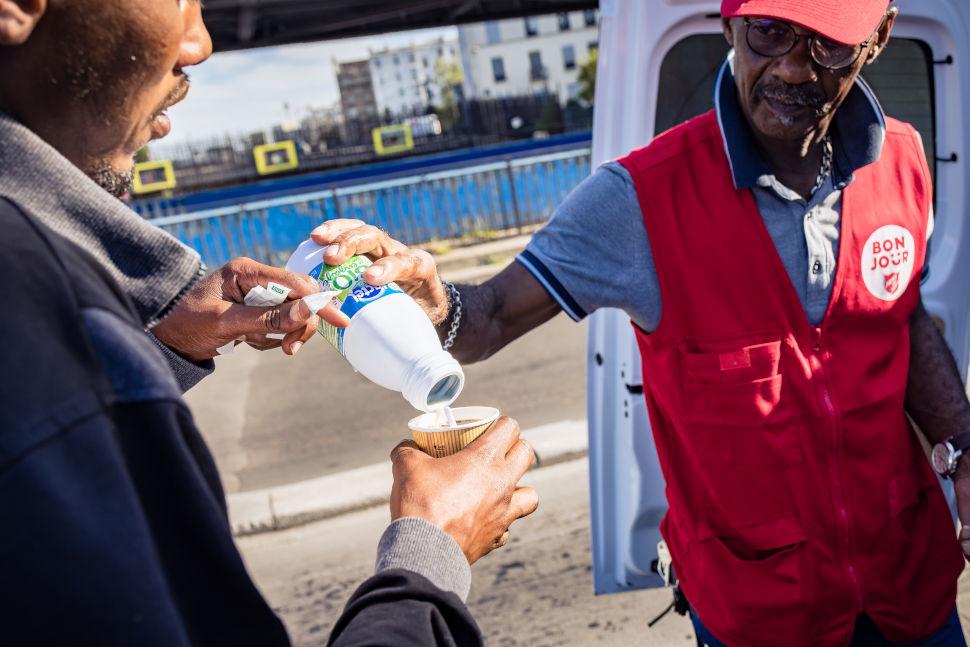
point(658, 61)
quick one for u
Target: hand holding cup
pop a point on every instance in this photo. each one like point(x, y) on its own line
point(436, 438)
point(473, 495)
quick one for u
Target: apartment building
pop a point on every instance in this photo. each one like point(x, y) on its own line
point(406, 79)
point(527, 55)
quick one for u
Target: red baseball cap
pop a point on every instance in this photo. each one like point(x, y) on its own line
point(844, 21)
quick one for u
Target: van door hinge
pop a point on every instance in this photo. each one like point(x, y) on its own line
point(634, 389)
point(945, 61)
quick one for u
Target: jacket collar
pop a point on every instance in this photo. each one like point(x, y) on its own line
point(151, 266)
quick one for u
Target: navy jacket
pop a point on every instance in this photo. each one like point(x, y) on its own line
point(114, 527)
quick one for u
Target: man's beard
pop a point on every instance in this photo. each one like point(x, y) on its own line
point(95, 74)
point(115, 181)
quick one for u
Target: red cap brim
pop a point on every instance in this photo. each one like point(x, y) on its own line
point(844, 21)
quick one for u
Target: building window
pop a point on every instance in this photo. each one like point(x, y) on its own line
point(589, 17)
point(411, 57)
point(441, 52)
point(569, 57)
point(564, 21)
point(498, 69)
point(397, 61)
point(425, 61)
point(377, 63)
point(492, 32)
point(536, 71)
point(531, 26)
point(414, 74)
point(593, 45)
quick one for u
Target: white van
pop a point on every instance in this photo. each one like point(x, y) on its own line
point(657, 65)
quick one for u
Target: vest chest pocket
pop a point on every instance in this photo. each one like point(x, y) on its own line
point(734, 405)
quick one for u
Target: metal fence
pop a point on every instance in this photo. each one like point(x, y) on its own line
point(323, 144)
point(417, 209)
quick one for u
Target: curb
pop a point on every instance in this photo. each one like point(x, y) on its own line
point(471, 255)
point(464, 251)
point(476, 274)
point(329, 496)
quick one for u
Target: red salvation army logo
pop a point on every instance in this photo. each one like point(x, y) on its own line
point(887, 262)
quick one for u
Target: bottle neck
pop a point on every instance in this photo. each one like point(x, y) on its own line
point(434, 381)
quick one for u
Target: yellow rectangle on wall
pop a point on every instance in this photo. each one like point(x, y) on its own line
point(149, 177)
point(274, 158)
point(392, 139)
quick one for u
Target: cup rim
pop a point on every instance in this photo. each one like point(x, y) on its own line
point(427, 422)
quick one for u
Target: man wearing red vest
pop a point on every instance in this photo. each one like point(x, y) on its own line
point(769, 253)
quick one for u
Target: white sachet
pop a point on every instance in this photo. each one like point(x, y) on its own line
point(272, 295)
point(319, 300)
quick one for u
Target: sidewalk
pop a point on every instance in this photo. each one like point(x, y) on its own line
point(336, 494)
point(479, 261)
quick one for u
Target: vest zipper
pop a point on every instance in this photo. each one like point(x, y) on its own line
point(835, 471)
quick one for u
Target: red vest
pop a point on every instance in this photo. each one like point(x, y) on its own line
point(799, 495)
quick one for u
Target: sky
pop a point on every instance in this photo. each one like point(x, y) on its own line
point(240, 92)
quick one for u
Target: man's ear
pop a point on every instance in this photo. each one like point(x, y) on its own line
point(18, 19)
point(882, 37)
point(725, 25)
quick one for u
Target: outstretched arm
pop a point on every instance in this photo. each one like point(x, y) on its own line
point(448, 512)
point(492, 314)
point(498, 312)
point(401, 608)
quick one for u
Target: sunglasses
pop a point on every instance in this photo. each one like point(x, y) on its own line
point(771, 38)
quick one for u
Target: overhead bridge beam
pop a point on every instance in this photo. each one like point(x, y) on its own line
point(242, 24)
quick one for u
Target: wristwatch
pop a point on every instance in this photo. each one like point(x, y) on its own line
point(946, 455)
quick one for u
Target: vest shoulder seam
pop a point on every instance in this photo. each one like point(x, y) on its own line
point(674, 143)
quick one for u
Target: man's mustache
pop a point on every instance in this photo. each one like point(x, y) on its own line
point(177, 94)
point(799, 95)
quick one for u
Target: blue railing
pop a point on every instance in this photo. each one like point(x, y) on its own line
point(278, 186)
point(417, 209)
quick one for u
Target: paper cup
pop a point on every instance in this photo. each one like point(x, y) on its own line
point(440, 441)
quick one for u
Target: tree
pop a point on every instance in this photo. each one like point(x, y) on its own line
point(551, 118)
point(450, 77)
point(587, 78)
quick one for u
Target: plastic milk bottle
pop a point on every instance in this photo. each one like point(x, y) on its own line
point(390, 339)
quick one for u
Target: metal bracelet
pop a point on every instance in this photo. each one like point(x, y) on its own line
point(454, 311)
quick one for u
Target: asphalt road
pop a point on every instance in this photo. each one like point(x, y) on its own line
point(271, 419)
point(535, 592)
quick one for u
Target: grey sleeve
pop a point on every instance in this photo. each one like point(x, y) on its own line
point(421, 547)
point(186, 373)
point(594, 252)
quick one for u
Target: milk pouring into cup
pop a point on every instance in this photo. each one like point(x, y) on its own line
point(390, 339)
